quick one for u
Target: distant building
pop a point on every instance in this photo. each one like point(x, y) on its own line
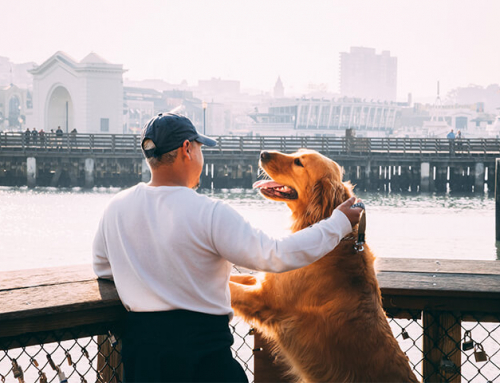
point(279, 89)
point(86, 95)
point(365, 74)
point(11, 73)
point(140, 105)
point(321, 117)
point(488, 98)
point(217, 88)
point(15, 103)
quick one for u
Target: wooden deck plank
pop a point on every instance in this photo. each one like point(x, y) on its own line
point(57, 299)
point(431, 265)
point(18, 279)
point(439, 284)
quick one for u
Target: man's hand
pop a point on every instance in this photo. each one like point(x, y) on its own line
point(352, 214)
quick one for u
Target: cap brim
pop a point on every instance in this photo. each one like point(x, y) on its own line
point(205, 140)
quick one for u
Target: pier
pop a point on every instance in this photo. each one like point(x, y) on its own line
point(74, 318)
point(373, 164)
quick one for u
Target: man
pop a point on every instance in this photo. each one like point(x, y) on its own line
point(169, 251)
point(34, 134)
point(59, 137)
point(451, 137)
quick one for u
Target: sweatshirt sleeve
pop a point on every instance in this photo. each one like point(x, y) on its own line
point(100, 261)
point(242, 244)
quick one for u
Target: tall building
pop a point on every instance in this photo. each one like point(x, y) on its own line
point(279, 89)
point(365, 74)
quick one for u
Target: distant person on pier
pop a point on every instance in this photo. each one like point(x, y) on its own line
point(451, 136)
point(73, 136)
point(42, 137)
point(59, 135)
point(34, 135)
point(27, 136)
point(170, 252)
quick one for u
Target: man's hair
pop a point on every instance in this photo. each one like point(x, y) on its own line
point(164, 159)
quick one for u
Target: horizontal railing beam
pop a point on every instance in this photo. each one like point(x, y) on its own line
point(12, 142)
point(62, 298)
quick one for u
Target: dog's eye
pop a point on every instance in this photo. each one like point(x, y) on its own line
point(297, 162)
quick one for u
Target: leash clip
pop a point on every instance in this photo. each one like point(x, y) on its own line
point(358, 246)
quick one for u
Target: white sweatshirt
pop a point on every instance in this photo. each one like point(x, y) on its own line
point(171, 248)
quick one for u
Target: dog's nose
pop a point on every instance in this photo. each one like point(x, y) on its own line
point(265, 156)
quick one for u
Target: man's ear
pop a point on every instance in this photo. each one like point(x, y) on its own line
point(186, 148)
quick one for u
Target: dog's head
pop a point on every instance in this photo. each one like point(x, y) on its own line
point(308, 182)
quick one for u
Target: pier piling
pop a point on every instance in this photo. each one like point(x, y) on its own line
point(31, 171)
point(89, 173)
point(425, 177)
point(479, 178)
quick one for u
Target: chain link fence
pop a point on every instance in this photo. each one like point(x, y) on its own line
point(449, 346)
point(61, 356)
point(441, 346)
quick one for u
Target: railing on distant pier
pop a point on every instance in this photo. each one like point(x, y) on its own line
point(444, 313)
point(129, 144)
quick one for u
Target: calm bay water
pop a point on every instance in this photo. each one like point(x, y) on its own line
point(46, 227)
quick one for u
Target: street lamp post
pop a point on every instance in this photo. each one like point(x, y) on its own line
point(204, 105)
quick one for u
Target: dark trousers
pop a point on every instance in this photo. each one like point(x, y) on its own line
point(179, 346)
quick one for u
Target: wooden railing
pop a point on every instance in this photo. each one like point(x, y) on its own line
point(129, 144)
point(438, 297)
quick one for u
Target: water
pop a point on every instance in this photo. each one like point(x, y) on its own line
point(45, 227)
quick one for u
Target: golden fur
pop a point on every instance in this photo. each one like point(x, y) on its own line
point(326, 320)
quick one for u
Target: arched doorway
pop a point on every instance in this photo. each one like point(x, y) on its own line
point(60, 110)
point(14, 111)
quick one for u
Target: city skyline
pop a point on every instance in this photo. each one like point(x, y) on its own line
point(254, 43)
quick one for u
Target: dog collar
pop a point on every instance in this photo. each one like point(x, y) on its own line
point(358, 245)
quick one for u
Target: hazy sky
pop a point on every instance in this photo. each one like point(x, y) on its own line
point(454, 41)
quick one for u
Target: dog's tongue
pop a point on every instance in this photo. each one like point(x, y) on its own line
point(266, 184)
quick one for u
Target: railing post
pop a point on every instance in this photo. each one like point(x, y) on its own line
point(441, 354)
point(497, 198)
point(109, 366)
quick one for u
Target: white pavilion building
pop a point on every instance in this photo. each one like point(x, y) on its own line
point(85, 95)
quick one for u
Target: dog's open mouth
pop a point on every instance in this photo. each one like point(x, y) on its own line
point(270, 188)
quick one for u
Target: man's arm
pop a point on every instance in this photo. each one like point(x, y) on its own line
point(100, 261)
point(242, 244)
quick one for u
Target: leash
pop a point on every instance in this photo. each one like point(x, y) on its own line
point(358, 246)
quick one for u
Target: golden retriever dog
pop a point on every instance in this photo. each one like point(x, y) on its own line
point(325, 320)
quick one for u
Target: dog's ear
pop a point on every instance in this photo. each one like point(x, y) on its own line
point(321, 202)
point(326, 196)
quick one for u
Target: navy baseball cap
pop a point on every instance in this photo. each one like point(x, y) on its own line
point(168, 131)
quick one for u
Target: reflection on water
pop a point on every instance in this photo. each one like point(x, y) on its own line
point(49, 227)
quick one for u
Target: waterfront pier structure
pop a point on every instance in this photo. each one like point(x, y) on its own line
point(372, 164)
